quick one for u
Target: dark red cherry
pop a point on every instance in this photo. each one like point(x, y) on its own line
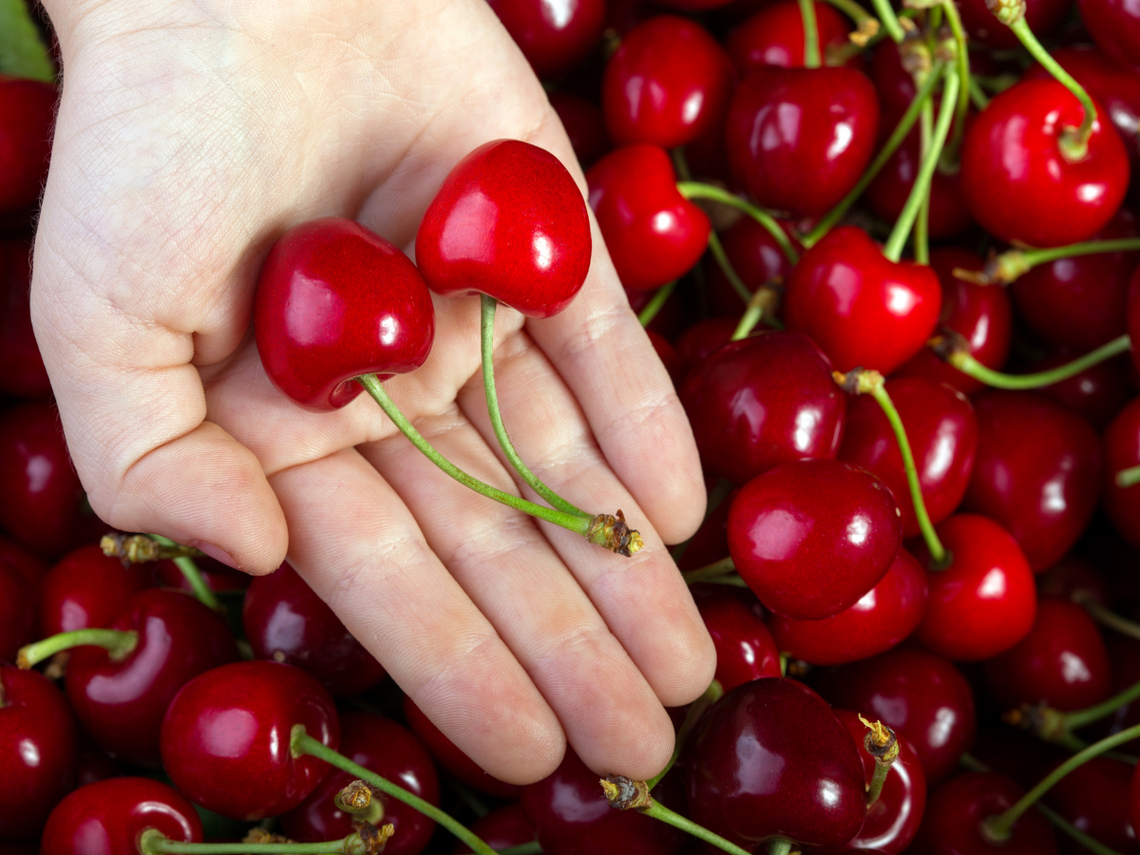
point(27, 113)
point(120, 702)
point(87, 588)
point(1098, 393)
point(555, 37)
point(108, 818)
point(285, 620)
point(798, 139)
point(650, 97)
point(391, 751)
point(1122, 451)
point(943, 435)
point(1115, 26)
point(17, 612)
point(1062, 662)
point(582, 120)
point(756, 258)
point(983, 27)
point(502, 828)
point(702, 338)
point(226, 738)
point(1017, 183)
point(24, 375)
point(761, 401)
point(811, 537)
point(920, 695)
point(335, 301)
point(219, 576)
point(1037, 472)
point(774, 35)
point(745, 649)
point(23, 560)
point(510, 222)
point(955, 811)
point(984, 602)
point(770, 759)
point(1094, 798)
point(37, 751)
point(861, 309)
point(884, 617)
point(653, 234)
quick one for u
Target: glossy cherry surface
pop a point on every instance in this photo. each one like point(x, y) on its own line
point(1122, 451)
point(1098, 393)
point(108, 818)
point(811, 537)
point(391, 751)
point(87, 588)
point(1017, 183)
point(770, 759)
point(37, 751)
point(983, 27)
point(654, 235)
point(650, 97)
point(121, 702)
point(554, 35)
point(226, 738)
point(285, 620)
point(1037, 472)
point(510, 222)
point(798, 139)
point(882, 618)
point(335, 301)
point(24, 374)
point(1115, 26)
point(745, 648)
point(756, 258)
point(1094, 798)
point(502, 828)
point(774, 35)
point(861, 309)
point(27, 113)
point(761, 401)
point(985, 601)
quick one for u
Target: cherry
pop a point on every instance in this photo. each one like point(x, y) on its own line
point(1094, 798)
point(1020, 186)
point(710, 544)
point(27, 113)
point(943, 435)
point(17, 615)
point(285, 620)
point(745, 649)
point(702, 338)
point(862, 309)
point(335, 301)
point(23, 561)
point(1098, 393)
point(502, 828)
point(226, 738)
point(509, 222)
point(982, 26)
point(121, 700)
point(1115, 26)
point(762, 401)
point(811, 537)
point(37, 751)
point(955, 811)
point(754, 255)
point(24, 374)
point(774, 35)
point(919, 695)
point(881, 619)
point(1062, 662)
point(798, 139)
point(219, 576)
point(985, 601)
point(1122, 451)
point(87, 588)
point(109, 817)
point(582, 120)
point(649, 97)
point(1037, 472)
point(771, 760)
point(391, 751)
point(555, 37)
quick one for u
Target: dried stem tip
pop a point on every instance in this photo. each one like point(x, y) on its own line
point(373, 839)
point(858, 381)
point(626, 794)
point(356, 796)
point(142, 549)
point(1007, 11)
point(612, 532)
point(880, 741)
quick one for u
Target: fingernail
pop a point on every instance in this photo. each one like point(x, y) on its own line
point(215, 552)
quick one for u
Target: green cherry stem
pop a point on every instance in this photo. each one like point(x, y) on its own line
point(780, 846)
point(699, 190)
point(955, 353)
point(152, 842)
point(119, 644)
point(656, 302)
point(145, 548)
point(1076, 719)
point(1128, 477)
point(710, 572)
point(811, 34)
point(1009, 266)
point(625, 794)
point(761, 306)
point(192, 574)
point(922, 222)
point(605, 530)
point(889, 19)
point(866, 25)
point(725, 265)
point(301, 743)
point(875, 167)
point(487, 342)
point(1106, 617)
point(893, 248)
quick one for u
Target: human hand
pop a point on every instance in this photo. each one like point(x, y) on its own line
point(190, 136)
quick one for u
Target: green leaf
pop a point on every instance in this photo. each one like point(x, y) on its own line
point(22, 50)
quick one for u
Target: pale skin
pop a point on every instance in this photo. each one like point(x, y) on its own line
point(191, 134)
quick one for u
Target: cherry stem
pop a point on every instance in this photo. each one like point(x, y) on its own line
point(192, 574)
point(1111, 619)
point(603, 529)
point(779, 846)
point(866, 382)
point(882, 744)
point(119, 644)
point(1076, 719)
point(1012, 264)
point(692, 715)
point(145, 548)
point(487, 341)
point(889, 19)
point(699, 190)
point(999, 828)
point(725, 265)
point(761, 305)
point(1128, 477)
point(893, 248)
point(656, 302)
point(867, 26)
point(709, 572)
point(301, 743)
point(962, 58)
point(153, 842)
point(624, 794)
point(885, 153)
point(968, 365)
point(811, 34)
point(922, 222)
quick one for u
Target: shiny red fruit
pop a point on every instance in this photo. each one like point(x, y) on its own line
point(555, 36)
point(774, 35)
point(1115, 26)
point(1122, 451)
point(745, 648)
point(27, 113)
point(87, 588)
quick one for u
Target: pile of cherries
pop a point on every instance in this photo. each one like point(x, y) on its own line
point(890, 260)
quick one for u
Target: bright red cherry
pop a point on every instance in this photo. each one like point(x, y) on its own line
point(24, 374)
point(1019, 185)
point(798, 139)
point(510, 222)
point(109, 817)
point(770, 759)
point(774, 35)
point(745, 649)
point(554, 36)
point(335, 301)
point(27, 113)
point(654, 235)
point(87, 588)
point(226, 738)
point(862, 309)
point(811, 537)
point(650, 97)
